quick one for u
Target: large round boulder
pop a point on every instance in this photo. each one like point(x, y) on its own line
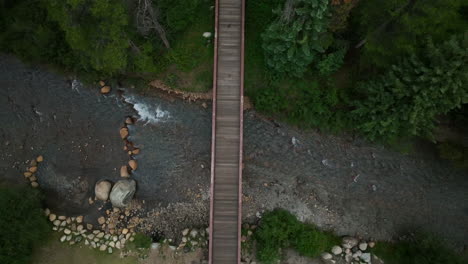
point(122, 193)
point(102, 189)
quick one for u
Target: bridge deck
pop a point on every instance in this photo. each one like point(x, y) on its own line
point(226, 163)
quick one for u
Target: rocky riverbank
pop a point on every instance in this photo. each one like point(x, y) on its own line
point(342, 184)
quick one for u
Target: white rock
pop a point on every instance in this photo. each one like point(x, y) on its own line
point(100, 235)
point(366, 257)
point(56, 222)
point(52, 217)
point(93, 244)
point(185, 232)
point(371, 244)
point(112, 244)
point(47, 212)
point(207, 34)
point(336, 250)
point(184, 239)
point(117, 245)
point(63, 238)
point(155, 245)
point(349, 242)
point(348, 257)
point(86, 242)
point(67, 231)
point(194, 233)
point(79, 228)
point(91, 236)
point(172, 248)
point(102, 247)
point(115, 238)
point(357, 254)
point(326, 256)
point(109, 250)
point(363, 246)
point(69, 237)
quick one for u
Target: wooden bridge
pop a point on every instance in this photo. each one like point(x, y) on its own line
point(227, 128)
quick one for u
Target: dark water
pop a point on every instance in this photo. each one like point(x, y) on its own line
point(76, 129)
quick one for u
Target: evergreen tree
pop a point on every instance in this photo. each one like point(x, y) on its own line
point(407, 100)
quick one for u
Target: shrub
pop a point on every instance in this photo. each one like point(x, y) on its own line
point(141, 240)
point(280, 229)
point(331, 62)
point(417, 249)
point(23, 223)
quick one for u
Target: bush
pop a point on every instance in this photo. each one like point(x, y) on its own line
point(280, 229)
point(142, 241)
point(23, 224)
point(417, 249)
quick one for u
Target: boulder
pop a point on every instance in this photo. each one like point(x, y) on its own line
point(349, 242)
point(122, 193)
point(105, 89)
point(124, 172)
point(102, 189)
point(40, 158)
point(124, 132)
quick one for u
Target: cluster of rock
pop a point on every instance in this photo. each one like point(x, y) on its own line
point(31, 171)
point(120, 194)
point(105, 89)
point(192, 239)
point(76, 231)
point(247, 243)
point(352, 250)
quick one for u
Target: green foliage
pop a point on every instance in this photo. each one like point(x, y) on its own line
point(407, 100)
point(313, 106)
point(395, 28)
point(96, 32)
point(418, 249)
point(141, 240)
point(331, 62)
point(293, 40)
point(280, 229)
point(178, 15)
point(23, 222)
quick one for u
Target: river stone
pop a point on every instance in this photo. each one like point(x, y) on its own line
point(349, 242)
point(34, 184)
point(326, 256)
point(33, 169)
point(124, 132)
point(363, 246)
point(63, 238)
point(105, 89)
point(136, 151)
point(101, 220)
point(79, 219)
point(52, 217)
point(336, 250)
point(27, 174)
point(40, 158)
point(133, 164)
point(366, 257)
point(102, 190)
point(33, 178)
point(124, 172)
point(103, 247)
point(122, 193)
point(67, 231)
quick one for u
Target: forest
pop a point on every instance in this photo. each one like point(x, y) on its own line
point(389, 70)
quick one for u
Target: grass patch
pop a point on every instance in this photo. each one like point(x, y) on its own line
point(191, 56)
point(23, 223)
point(418, 249)
point(280, 229)
point(142, 241)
